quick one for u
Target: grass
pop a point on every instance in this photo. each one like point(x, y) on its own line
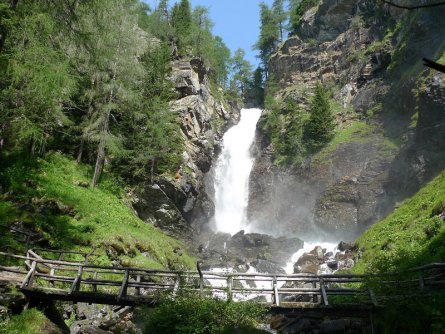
point(30, 321)
point(356, 131)
point(411, 236)
point(102, 217)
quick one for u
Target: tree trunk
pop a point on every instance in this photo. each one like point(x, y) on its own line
point(101, 151)
point(79, 155)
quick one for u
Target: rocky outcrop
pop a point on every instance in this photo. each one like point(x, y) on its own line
point(179, 204)
point(375, 68)
point(242, 250)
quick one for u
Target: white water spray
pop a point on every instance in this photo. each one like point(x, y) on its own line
point(232, 173)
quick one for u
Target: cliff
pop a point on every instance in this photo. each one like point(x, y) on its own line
point(179, 204)
point(389, 111)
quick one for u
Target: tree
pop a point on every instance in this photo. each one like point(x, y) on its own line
point(114, 70)
point(37, 82)
point(258, 86)
point(280, 15)
point(269, 35)
point(181, 21)
point(242, 71)
point(321, 123)
point(220, 61)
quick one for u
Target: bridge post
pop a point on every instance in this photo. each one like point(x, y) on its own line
point(124, 286)
point(421, 281)
point(201, 278)
point(229, 288)
point(324, 296)
point(138, 289)
point(76, 283)
point(314, 296)
point(275, 292)
point(94, 285)
point(176, 286)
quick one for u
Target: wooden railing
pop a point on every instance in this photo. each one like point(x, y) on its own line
point(80, 281)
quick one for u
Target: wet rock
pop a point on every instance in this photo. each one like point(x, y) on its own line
point(334, 326)
point(265, 266)
point(345, 246)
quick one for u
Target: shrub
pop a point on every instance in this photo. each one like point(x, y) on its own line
point(191, 314)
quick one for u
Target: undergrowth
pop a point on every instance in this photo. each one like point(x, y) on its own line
point(96, 218)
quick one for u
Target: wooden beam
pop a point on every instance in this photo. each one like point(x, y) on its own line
point(27, 282)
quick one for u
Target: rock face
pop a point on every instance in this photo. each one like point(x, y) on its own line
point(179, 205)
point(242, 250)
point(375, 68)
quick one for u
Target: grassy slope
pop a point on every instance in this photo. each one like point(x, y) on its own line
point(412, 235)
point(101, 219)
point(30, 321)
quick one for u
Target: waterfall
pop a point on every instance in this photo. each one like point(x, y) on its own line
point(232, 172)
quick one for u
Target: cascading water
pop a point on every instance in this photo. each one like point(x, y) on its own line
point(232, 173)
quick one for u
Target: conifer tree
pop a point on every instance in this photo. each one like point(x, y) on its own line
point(242, 71)
point(280, 15)
point(181, 20)
point(269, 35)
point(321, 123)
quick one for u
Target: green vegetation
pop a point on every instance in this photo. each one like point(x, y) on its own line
point(30, 321)
point(96, 84)
point(411, 236)
point(95, 218)
point(295, 132)
point(195, 315)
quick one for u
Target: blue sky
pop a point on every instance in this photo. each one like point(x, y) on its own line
point(236, 21)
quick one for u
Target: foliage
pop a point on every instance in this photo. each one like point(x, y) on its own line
point(242, 71)
point(412, 235)
point(195, 315)
point(30, 321)
point(269, 34)
point(321, 124)
point(101, 218)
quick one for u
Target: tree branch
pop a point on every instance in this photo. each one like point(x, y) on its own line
point(414, 7)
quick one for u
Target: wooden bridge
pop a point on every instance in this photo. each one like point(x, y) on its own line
point(83, 282)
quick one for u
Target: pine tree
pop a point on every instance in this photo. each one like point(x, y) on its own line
point(242, 71)
point(181, 21)
point(321, 123)
point(280, 15)
point(269, 35)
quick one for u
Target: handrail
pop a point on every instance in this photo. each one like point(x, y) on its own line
point(209, 274)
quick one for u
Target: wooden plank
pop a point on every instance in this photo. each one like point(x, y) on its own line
point(324, 296)
point(76, 283)
point(123, 290)
point(27, 282)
